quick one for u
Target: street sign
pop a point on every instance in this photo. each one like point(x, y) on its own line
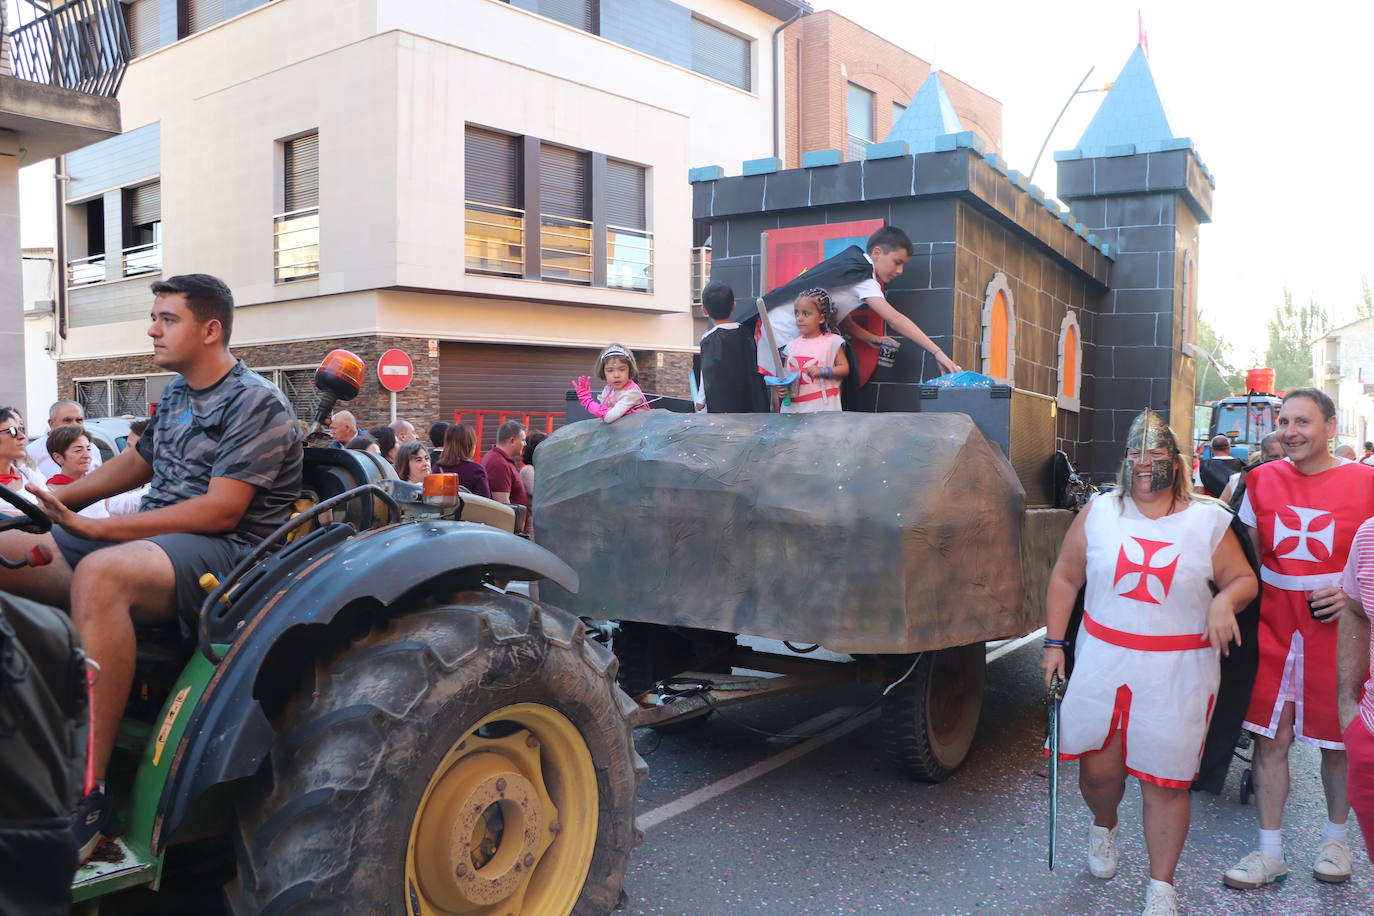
point(395, 370)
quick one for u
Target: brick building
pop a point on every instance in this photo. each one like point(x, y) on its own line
point(844, 87)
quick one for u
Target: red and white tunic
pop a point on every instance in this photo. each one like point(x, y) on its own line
point(1143, 664)
point(1358, 583)
point(813, 394)
point(1305, 524)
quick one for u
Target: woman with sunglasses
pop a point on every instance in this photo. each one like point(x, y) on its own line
point(14, 469)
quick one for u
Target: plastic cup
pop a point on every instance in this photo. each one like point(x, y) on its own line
point(887, 354)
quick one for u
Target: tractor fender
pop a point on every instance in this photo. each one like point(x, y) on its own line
point(229, 734)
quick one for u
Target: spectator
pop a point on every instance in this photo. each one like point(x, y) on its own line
point(1213, 474)
point(527, 462)
point(405, 431)
point(1270, 449)
point(1368, 456)
point(386, 441)
point(502, 473)
point(71, 449)
point(129, 502)
point(460, 448)
point(343, 427)
point(363, 443)
point(61, 413)
point(412, 461)
point(437, 431)
point(14, 470)
point(1355, 680)
point(1345, 451)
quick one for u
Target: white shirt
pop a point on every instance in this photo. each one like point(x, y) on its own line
point(38, 454)
point(26, 476)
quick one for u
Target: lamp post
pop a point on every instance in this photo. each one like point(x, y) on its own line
point(1078, 90)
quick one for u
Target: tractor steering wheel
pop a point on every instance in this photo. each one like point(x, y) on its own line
point(33, 520)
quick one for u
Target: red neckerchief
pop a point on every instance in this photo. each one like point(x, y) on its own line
point(13, 477)
point(60, 480)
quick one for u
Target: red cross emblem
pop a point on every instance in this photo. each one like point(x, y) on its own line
point(1145, 570)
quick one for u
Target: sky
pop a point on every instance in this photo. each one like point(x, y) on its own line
point(1272, 95)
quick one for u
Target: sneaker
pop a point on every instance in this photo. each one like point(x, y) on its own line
point(1102, 854)
point(1160, 899)
point(88, 821)
point(1255, 870)
point(1333, 862)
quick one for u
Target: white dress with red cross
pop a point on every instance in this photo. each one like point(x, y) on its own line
point(1305, 524)
point(1143, 665)
point(813, 394)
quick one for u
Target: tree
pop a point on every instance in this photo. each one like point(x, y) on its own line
point(1292, 330)
point(1211, 383)
point(1365, 309)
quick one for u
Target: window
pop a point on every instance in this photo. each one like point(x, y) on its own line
point(130, 397)
point(198, 15)
point(94, 398)
point(297, 228)
point(114, 397)
point(141, 22)
point(898, 109)
point(1070, 362)
point(999, 331)
point(88, 232)
point(720, 55)
point(143, 229)
point(860, 107)
point(495, 233)
point(299, 387)
point(565, 224)
point(577, 13)
point(629, 244)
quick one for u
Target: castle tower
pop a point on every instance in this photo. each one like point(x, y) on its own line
point(1145, 192)
point(930, 115)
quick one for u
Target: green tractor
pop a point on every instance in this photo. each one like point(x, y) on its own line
point(365, 723)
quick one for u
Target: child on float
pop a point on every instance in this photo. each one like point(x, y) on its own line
point(616, 367)
point(817, 355)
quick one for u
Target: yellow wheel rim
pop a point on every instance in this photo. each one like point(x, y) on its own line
point(507, 824)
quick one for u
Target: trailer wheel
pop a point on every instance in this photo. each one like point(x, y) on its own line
point(470, 758)
point(930, 718)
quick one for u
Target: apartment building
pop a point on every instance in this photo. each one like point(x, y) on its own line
point(497, 188)
point(1343, 367)
point(844, 87)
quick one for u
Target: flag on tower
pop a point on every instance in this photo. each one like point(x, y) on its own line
point(1144, 40)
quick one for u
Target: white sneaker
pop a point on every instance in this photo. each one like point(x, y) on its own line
point(1160, 899)
point(1255, 870)
point(1333, 862)
point(1102, 854)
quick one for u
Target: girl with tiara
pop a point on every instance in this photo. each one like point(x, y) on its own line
point(616, 367)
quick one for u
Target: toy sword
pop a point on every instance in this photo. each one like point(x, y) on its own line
point(1055, 697)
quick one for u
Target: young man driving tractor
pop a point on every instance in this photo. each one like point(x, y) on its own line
point(223, 459)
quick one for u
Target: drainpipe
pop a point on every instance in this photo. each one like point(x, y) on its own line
point(59, 247)
point(777, 82)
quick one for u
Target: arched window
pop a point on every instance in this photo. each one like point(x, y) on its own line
point(1070, 362)
point(1188, 334)
point(999, 331)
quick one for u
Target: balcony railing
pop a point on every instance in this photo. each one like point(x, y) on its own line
point(565, 251)
point(701, 271)
point(296, 247)
point(495, 239)
point(629, 259)
point(80, 45)
point(81, 271)
point(856, 148)
point(143, 259)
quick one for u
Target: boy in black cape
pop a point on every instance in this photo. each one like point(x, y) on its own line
point(729, 381)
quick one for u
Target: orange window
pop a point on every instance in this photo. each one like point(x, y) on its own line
point(1070, 373)
point(998, 338)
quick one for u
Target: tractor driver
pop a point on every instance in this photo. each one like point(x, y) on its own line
point(223, 459)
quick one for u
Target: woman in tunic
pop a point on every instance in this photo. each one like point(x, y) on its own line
point(1147, 665)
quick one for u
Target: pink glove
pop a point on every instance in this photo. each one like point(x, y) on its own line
point(583, 386)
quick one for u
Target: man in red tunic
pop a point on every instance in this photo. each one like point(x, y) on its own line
point(1303, 513)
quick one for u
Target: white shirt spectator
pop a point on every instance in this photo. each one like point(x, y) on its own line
point(38, 454)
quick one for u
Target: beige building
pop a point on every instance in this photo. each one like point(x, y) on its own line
point(1343, 366)
point(497, 191)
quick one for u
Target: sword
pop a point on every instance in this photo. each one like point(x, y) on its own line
point(1054, 698)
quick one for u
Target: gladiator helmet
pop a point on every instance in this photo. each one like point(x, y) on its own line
point(1149, 432)
point(615, 351)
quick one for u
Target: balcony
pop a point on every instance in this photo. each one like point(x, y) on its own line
point(494, 242)
point(701, 271)
point(856, 147)
point(565, 253)
point(142, 259)
point(296, 245)
point(629, 259)
point(84, 271)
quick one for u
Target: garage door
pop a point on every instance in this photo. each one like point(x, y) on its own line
point(485, 380)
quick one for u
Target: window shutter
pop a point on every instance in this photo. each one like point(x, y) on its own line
point(142, 24)
point(563, 182)
point(146, 204)
point(94, 398)
point(625, 195)
point(491, 168)
point(299, 387)
point(302, 171)
point(201, 14)
point(576, 13)
point(131, 397)
point(860, 113)
point(720, 54)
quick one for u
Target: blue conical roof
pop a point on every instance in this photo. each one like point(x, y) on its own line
point(1131, 113)
point(930, 115)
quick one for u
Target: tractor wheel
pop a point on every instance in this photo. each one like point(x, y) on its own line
point(473, 758)
point(650, 652)
point(929, 719)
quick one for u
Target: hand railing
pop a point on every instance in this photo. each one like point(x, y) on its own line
point(629, 258)
point(143, 259)
point(81, 271)
point(565, 251)
point(296, 244)
point(494, 240)
point(80, 45)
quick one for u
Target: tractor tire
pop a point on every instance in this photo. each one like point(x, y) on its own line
point(472, 758)
point(929, 720)
point(650, 652)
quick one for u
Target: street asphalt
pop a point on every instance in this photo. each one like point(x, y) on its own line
point(741, 823)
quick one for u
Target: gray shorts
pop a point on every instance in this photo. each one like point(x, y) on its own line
point(192, 556)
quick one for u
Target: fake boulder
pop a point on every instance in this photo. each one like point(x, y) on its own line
point(873, 533)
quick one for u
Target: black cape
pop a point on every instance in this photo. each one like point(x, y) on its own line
point(1216, 472)
point(729, 375)
point(844, 269)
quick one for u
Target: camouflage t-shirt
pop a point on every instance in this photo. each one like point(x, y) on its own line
point(241, 428)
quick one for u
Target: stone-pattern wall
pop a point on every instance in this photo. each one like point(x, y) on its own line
point(669, 379)
point(419, 403)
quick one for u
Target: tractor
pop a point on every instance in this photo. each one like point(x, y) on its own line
point(364, 722)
